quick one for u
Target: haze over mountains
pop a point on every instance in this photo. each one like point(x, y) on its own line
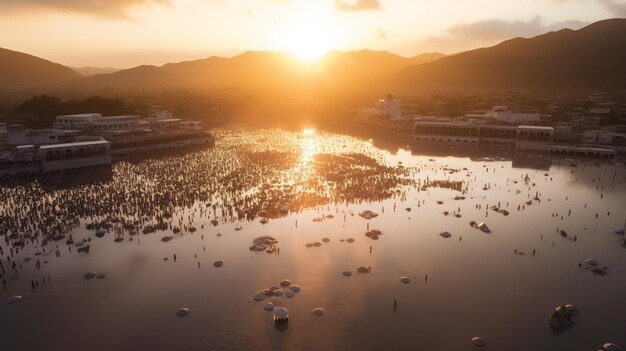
point(92, 71)
point(592, 57)
point(262, 69)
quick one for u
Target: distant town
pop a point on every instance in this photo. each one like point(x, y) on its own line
point(595, 126)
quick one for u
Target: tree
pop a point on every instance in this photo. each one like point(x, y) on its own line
point(46, 108)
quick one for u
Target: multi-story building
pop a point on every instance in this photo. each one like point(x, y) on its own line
point(389, 107)
point(55, 157)
point(503, 114)
point(523, 137)
point(603, 137)
point(75, 155)
point(84, 140)
point(17, 134)
point(78, 121)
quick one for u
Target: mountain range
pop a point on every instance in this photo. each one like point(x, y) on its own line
point(589, 58)
point(256, 69)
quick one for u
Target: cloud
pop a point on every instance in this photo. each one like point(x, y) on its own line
point(615, 7)
point(381, 34)
point(107, 8)
point(497, 29)
point(357, 5)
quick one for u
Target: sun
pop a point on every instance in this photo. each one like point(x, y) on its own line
point(308, 29)
point(308, 41)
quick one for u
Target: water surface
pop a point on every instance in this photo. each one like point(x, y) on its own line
point(477, 285)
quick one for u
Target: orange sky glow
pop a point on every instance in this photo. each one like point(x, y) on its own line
point(126, 33)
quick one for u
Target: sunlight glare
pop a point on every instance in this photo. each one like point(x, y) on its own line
point(309, 31)
point(310, 147)
point(308, 42)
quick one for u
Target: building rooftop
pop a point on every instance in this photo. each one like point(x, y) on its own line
point(81, 143)
point(167, 120)
point(82, 115)
point(113, 118)
point(537, 127)
point(602, 110)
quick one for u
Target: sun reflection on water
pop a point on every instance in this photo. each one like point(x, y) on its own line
point(309, 144)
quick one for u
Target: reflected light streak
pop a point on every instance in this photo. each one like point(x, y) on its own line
point(309, 144)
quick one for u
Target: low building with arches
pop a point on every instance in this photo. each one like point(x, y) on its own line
point(75, 155)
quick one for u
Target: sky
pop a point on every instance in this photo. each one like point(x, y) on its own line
point(128, 33)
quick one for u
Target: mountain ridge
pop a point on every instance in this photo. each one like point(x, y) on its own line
point(20, 70)
point(592, 56)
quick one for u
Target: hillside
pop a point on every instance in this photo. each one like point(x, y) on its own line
point(592, 57)
point(19, 70)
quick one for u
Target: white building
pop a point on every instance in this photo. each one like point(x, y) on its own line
point(96, 123)
point(523, 137)
point(389, 107)
point(165, 124)
point(75, 155)
point(502, 113)
point(603, 137)
point(191, 125)
point(517, 117)
point(32, 158)
point(534, 137)
point(18, 135)
point(114, 124)
point(25, 153)
point(79, 121)
point(160, 114)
